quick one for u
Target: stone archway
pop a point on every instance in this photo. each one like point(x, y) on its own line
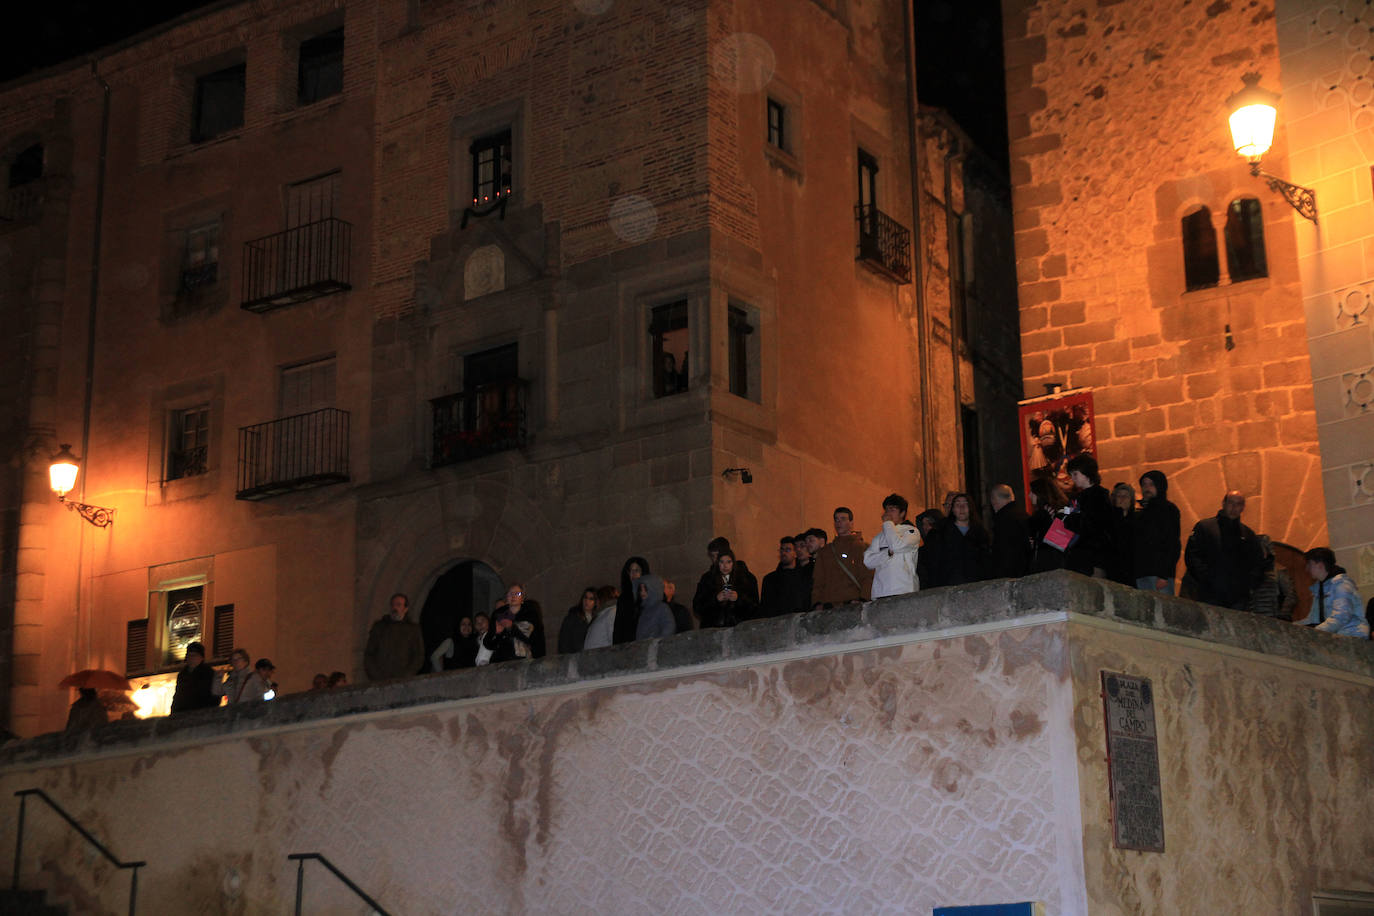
point(463, 589)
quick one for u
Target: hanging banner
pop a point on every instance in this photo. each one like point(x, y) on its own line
point(1055, 428)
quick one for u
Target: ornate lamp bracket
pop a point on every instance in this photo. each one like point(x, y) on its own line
point(96, 515)
point(1304, 200)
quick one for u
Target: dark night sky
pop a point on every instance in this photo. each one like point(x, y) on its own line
point(959, 50)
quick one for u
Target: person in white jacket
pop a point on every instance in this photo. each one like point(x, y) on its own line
point(892, 555)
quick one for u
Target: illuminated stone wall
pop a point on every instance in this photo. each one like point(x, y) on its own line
point(941, 748)
point(1118, 129)
point(1325, 52)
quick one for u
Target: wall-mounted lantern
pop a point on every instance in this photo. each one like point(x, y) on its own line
point(1253, 113)
point(62, 478)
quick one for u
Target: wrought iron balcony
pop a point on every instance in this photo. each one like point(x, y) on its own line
point(488, 419)
point(302, 263)
point(293, 453)
point(884, 243)
point(21, 203)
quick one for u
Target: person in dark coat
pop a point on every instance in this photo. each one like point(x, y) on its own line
point(1121, 560)
point(682, 617)
point(734, 596)
point(87, 712)
point(528, 620)
point(1155, 541)
point(195, 681)
point(1047, 501)
point(708, 584)
point(926, 523)
point(1223, 560)
point(1011, 545)
point(500, 640)
point(786, 590)
point(395, 646)
point(1090, 518)
point(963, 548)
point(464, 646)
point(627, 605)
point(573, 633)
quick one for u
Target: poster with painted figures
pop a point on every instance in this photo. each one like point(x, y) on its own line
point(1055, 428)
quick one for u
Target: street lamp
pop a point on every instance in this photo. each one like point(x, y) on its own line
point(62, 478)
point(1253, 114)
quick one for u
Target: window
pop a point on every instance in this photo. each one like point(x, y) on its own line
point(668, 329)
point(200, 257)
point(777, 125)
point(491, 167)
point(184, 610)
point(27, 166)
point(1245, 240)
point(188, 440)
point(319, 70)
point(307, 387)
point(218, 106)
point(742, 358)
point(1201, 268)
point(868, 180)
point(312, 200)
point(224, 631)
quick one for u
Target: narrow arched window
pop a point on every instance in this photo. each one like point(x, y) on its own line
point(27, 166)
point(1245, 240)
point(1201, 268)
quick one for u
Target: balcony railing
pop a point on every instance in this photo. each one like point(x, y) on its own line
point(884, 243)
point(293, 453)
point(299, 264)
point(488, 419)
point(21, 203)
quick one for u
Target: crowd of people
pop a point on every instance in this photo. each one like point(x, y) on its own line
point(1115, 535)
point(1105, 534)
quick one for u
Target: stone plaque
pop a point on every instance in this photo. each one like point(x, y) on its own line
point(1133, 763)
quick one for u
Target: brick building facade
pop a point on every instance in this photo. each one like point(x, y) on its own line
point(1247, 377)
point(384, 296)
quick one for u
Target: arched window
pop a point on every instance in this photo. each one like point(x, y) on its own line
point(27, 166)
point(1245, 240)
point(1201, 268)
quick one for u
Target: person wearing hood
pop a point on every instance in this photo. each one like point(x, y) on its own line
point(655, 617)
point(1155, 534)
point(1336, 607)
point(627, 605)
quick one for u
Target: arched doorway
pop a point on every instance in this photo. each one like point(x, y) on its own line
point(462, 591)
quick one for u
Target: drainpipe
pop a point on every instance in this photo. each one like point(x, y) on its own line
point(956, 314)
point(923, 330)
point(82, 635)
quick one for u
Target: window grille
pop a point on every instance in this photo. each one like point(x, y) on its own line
point(491, 168)
point(1245, 258)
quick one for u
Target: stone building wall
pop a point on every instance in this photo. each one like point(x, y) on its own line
point(944, 748)
point(1324, 55)
point(1117, 117)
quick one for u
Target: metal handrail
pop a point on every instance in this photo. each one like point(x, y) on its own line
point(23, 795)
point(300, 858)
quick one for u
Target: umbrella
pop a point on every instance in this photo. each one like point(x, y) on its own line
point(98, 678)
